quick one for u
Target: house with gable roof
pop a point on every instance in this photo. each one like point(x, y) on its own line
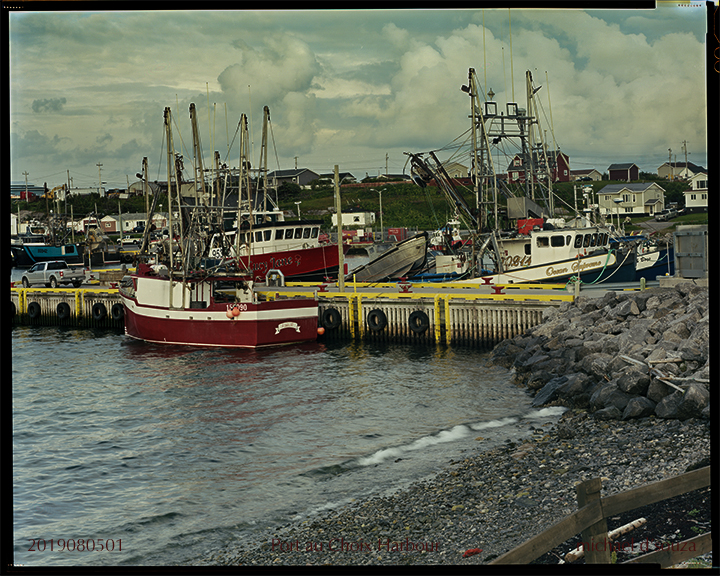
point(627, 172)
point(696, 198)
point(636, 199)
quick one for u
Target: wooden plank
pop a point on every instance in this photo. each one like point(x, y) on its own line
point(553, 536)
point(655, 492)
point(671, 554)
point(587, 492)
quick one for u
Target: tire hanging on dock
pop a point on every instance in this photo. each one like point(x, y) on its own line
point(117, 311)
point(34, 310)
point(418, 322)
point(376, 320)
point(99, 312)
point(331, 318)
point(63, 311)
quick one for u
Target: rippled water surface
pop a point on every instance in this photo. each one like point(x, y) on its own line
point(175, 451)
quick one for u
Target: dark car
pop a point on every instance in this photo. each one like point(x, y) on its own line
point(139, 229)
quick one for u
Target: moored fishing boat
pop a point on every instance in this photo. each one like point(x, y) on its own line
point(211, 309)
point(180, 295)
point(397, 262)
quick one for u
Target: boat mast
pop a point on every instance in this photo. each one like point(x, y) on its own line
point(244, 183)
point(263, 156)
point(197, 152)
point(170, 163)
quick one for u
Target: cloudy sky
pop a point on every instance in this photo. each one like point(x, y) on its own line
point(346, 87)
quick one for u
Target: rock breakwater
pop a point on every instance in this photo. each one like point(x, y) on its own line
point(624, 355)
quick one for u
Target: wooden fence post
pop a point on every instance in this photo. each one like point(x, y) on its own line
point(595, 537)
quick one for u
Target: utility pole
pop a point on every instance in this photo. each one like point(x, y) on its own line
point(386, 164)
point(338, 213)
point(686, 155)
point(670, 163)
point(99, 178)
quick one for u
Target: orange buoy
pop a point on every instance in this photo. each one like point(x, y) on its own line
point(321, 331)
point(229, 313)
point(236, 311)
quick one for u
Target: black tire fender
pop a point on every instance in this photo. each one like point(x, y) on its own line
point(331, 318)
point(34, 310)
point(418, 322)
point(117, 311)
point(99, 312)
point(63, 310)
point(376, 320)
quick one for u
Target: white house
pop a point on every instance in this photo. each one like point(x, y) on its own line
point(633, 199)
point(696, 199)
point(679, 170)
point(355, 219)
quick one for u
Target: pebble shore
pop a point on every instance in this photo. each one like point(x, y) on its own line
point(633, 372)
point(488, 503)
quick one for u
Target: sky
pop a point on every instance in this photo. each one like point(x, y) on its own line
point(353, 88)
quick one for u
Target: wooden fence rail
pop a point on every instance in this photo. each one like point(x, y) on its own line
point(591, 521)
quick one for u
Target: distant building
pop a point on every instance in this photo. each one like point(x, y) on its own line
point(559, 166)
point(343, 177)
point(626, 172)
point(355, 219)
point(456, 170)
point(696, 199)
point(592, 174)
point(300, 176)
point(643, 199)
point(679, 170)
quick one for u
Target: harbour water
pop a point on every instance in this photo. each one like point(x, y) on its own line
point(172, 452)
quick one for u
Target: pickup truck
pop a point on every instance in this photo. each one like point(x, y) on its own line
point(666, 215)
point(53, 273)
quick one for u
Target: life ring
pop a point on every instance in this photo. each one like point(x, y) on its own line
point(99, 312)
point(418, 322)
point(63, 310)
point(331, 318)
point(34, 310)
point(117, 311)
point(376, 320)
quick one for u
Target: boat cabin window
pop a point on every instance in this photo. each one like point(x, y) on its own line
point(568, 239)
point(578, 240)
point(528, 249)
point(258, 236)
point(306, 233)
point(586, 240)
point(279, 234)
point(315, 232)
point(543, 242)
point(267, 234)
point(298, 233)
point(557, 241)
point(593, 240)
point(288, 234)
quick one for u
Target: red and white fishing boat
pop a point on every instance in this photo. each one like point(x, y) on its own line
point(211, 309)
point(180, 294)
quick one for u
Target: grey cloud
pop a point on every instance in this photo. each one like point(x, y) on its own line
point(48, 105)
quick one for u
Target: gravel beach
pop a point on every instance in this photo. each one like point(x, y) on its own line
point(490, 502)
point(633, 371)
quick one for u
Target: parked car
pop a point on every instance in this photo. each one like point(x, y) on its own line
point(665, 215)
point(52, 273)
point(139, 229)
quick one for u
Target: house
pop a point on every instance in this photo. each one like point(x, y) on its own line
point(626, 172)
point(585, 175)
point(696, 198)
point(682, 170)
point(641, 199)
point(559, 166)
point(456, 170)
point(355, 219)
point(343, 177)
point(300, 176)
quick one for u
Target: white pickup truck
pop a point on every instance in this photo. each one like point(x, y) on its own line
point(53, 273)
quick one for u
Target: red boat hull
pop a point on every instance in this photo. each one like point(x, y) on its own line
point(305, 265)
point(200, 313)
point(264, 324)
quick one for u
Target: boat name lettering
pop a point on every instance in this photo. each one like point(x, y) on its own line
point(287, 325)
point(241, 307)
point(582, 265)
